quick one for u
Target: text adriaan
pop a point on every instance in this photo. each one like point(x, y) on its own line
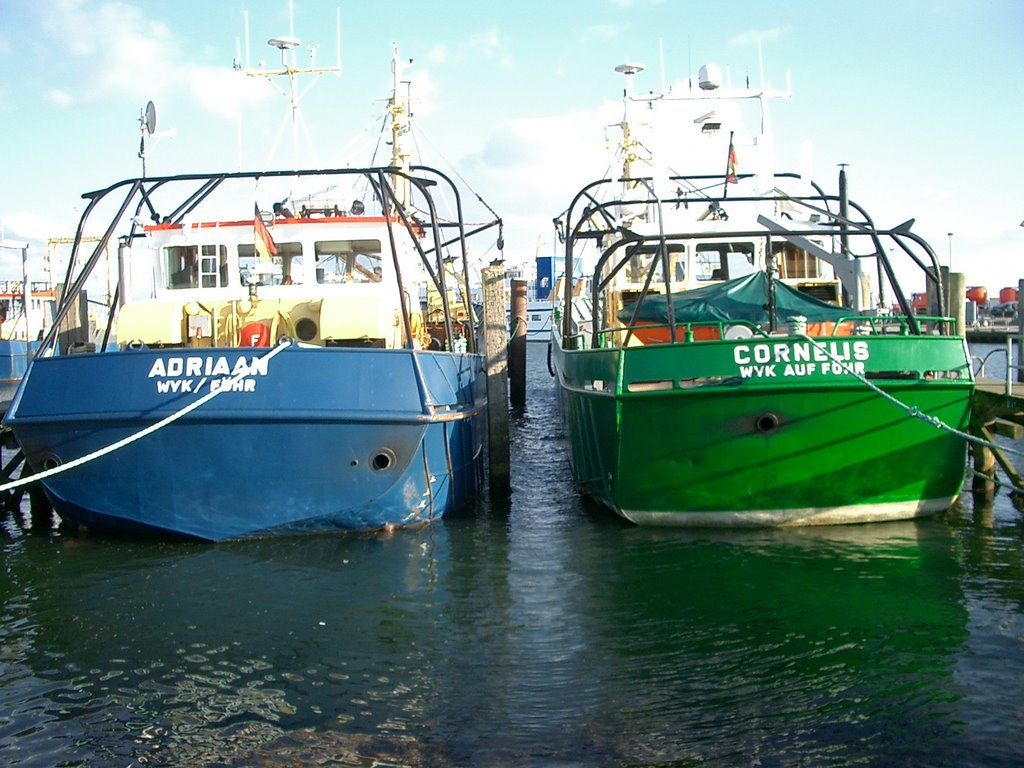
point(189, 374)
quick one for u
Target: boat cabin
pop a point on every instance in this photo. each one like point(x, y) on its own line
point(324, 281)
point(706, 259)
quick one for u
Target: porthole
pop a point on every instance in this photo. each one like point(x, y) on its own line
point(382, 460)
point(305, 329)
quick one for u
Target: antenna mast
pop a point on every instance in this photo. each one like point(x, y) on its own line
point(629, 145)
point(399, 109)
point(147, 124)
point(287, 45)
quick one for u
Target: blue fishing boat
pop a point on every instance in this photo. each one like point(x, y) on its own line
point(267, 366)
point(14, 357)
point(26, 312)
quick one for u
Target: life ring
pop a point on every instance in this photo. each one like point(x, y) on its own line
point(255, 334)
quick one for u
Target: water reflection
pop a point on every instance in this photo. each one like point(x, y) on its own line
point(473, 642)
point(182, 651)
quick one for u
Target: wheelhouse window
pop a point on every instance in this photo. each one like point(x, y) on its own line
point(723, 260)
point(195, 266)
point(282, 268)
point(643, 259)
point(794, 262)
point(348, 261)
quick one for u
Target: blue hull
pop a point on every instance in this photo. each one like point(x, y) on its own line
point(14, 356)
point(315, 439)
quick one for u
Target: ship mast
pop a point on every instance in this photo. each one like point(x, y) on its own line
point(398, 108)
point(628, 144)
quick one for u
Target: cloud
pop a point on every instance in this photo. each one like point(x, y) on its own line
point(30, 228)
point(599, 32)
point(59, 98)
point(627, 4)
point(225, 92)
point(487, 45)
point(532, 167)
point(424, 91)
point(438, 54)
point(752, 36)
point(116, 51)
point(22, 225)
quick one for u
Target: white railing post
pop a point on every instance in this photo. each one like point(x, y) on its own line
point(1009, 365)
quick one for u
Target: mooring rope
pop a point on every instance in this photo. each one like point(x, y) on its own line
point(517, 323)
point(910, 409)
point(283, 344)
point(994, 480)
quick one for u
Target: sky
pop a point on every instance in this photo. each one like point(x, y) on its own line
point(921, 99)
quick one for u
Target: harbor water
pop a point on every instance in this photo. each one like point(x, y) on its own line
point(538, 631)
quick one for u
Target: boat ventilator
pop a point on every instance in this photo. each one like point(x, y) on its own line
point(283, 344)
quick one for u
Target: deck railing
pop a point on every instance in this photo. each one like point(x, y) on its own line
point(1007, 350)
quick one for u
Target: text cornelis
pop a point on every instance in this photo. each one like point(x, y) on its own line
point(775, 359)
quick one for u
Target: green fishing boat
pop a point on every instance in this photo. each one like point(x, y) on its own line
point(743, 353)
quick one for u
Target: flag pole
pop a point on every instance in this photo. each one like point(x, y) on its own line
point(730, 168)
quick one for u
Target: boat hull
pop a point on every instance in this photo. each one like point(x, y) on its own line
point(14, 358)
point(317, 439)
point(661, 447)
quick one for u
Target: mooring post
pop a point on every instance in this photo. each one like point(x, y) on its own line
point(958, 301)
point(1020, 330)
point(984, 468)
point(517, 344)
point(74, 330)
point(496, 362)
point(40, 510)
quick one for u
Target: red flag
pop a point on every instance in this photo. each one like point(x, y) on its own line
point(731, 175)
point(261, 238)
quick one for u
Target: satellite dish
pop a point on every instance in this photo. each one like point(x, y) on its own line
point(629, 69)
point(149, 119)
point(284, 43)
point(709, 77)
point(147, 124)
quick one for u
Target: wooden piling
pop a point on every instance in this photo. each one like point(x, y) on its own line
point(984, 467)
point(958, 301)
point(996, 412)
point(74, 328)
point(517, 344)
point(1020, 331)
point(496, 363)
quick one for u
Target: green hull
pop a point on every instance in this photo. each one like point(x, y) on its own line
point(703, 434)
